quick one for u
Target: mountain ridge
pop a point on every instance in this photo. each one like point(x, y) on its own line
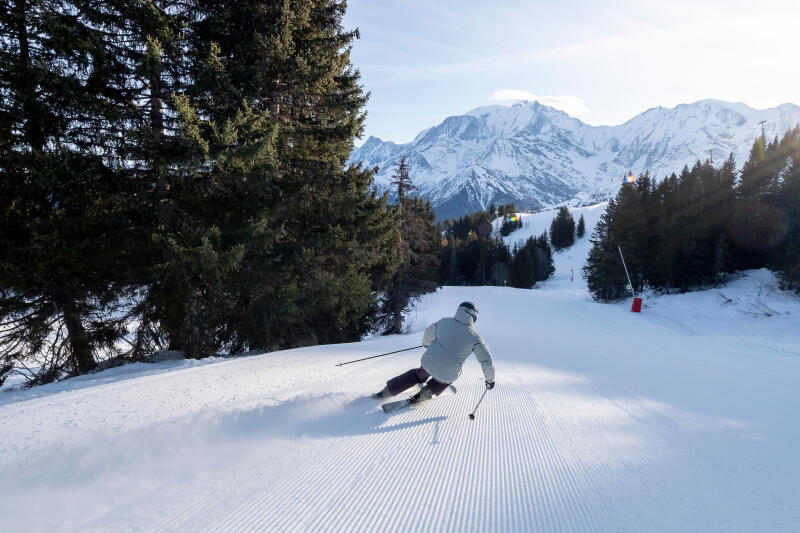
point(538, 156)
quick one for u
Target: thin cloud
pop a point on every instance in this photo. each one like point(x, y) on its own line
point(649, 43)
point(571, 105)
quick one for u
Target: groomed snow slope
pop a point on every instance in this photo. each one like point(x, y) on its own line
point(682, 418)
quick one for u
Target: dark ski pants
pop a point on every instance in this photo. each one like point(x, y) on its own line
point(408, 379)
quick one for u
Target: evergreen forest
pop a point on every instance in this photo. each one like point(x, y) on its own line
point(691, 230)
point(173, 178)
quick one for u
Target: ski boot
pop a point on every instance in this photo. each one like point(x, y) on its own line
point(423, 395)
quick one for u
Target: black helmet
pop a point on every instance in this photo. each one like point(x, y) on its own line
point(471, 309)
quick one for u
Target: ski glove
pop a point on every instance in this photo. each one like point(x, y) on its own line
point(489, 385)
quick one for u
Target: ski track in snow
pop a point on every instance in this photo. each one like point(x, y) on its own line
point(677, 419)
point(502, 477)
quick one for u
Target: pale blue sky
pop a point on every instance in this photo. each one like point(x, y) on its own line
point(602, 61)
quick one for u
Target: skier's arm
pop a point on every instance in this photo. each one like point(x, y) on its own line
point(429, 335)
point(484, 357)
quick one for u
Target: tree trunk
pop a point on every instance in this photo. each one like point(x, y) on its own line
point(80, 348)
point(157, 131)
point(156, 107)
point(398, 323)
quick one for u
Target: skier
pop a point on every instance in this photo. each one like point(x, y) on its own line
point(449, 342)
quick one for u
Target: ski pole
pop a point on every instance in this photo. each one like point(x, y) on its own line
point(471, 416)
point(380, 355)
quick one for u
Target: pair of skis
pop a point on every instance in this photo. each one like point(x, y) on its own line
point(391, 407)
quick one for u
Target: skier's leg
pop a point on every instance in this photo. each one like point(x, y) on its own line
point(406, 380)
point(436, 386)
point(433, 386)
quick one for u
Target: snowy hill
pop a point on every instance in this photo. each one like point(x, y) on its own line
point(569, 263)
point(536, 156)
point(681, 418)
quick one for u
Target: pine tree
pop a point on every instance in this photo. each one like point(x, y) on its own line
point(721, 258)
point(715, 203)
point(562, 229)
point(449, 263)
point(532, 262)
point(523, 266)
point(401, 180)
point(580, 230)
point(755, 225)
point(665, 241)
point(348, 247)
point(182, 255)
point(721, 209)
point(543, 258)
point(630, 230)
point(288, 247)
point(604, 273)
point(417, 272)
point(696, 226)
point(786, 260)
point(65, 190)
point(500, 261)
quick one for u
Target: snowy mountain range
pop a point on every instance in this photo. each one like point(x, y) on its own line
point(537, 156)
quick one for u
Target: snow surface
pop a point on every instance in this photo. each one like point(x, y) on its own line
point(681, 418)
point(569, 262)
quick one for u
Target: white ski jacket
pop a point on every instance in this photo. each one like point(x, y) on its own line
point(449, 342)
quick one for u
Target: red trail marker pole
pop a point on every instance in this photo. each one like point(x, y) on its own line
point(637, 302)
